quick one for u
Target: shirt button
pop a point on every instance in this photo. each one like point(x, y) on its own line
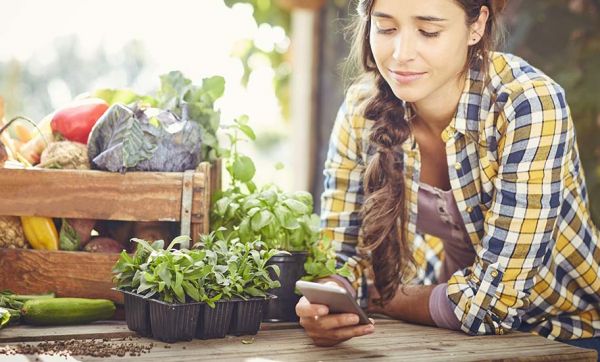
point(457, 166)
point(469, 209)
point(494, 273)
point(447, 134)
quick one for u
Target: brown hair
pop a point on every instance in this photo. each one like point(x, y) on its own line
point(384, 210)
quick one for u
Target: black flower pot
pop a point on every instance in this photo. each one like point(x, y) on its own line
point(247, 316)
point(214, 322)
point(173, 322)
point(137, 313)
point(283, 308)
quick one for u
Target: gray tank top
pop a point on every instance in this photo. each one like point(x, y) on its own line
point(439, 216)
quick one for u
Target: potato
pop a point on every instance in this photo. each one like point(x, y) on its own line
point(118, 230)
point(100, 244)
point(152, 230)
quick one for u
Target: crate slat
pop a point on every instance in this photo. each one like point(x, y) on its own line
point(134, 196)
point(67, 273)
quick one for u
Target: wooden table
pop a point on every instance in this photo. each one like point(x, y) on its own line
point(392, 340)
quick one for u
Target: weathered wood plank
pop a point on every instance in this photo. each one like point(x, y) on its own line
point(67, 273)
point(134, 196)
point(102, 329)
point(392, 341)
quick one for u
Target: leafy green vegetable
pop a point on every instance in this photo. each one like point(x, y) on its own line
point(138, 143)
point(122, 96)
point(11, 303)
point(187, 101)
point(196, 103)
point(4, 317)
point(144, 139)
point(69, 239)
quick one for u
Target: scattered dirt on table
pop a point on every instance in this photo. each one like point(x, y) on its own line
point(84, 347)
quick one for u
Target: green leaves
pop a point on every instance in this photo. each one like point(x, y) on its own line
point(122, 96)
point(179, 95)
point(261, 219)
point(243, 169)
point(217, 267)
point(242, 125)
point(296, 206)
point(282, 220)
point(243, 270)
point(321, 262)
point(4, 317)
point(69, 239)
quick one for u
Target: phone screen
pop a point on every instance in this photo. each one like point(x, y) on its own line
point(335, 297)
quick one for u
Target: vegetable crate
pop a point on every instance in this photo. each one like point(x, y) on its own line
point(134, 196)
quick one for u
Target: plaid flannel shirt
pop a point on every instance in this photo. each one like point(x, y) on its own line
point(516, 176)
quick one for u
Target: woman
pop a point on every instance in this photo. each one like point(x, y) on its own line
point(453, 176)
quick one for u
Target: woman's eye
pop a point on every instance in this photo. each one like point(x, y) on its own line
point(428, 34)
point(384, 30)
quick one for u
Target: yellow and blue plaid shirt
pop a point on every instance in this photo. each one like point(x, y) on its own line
point(516, 176)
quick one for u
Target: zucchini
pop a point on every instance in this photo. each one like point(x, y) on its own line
point(65, 311)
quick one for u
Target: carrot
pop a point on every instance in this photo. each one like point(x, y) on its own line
point(23, 133)
point(33, 149)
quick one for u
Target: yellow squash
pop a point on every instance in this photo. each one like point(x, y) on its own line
point(40, 232)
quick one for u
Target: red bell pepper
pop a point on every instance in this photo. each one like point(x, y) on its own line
point(75, 121)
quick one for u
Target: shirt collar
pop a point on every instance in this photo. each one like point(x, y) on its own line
point(468, 112)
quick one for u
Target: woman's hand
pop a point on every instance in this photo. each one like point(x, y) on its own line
point(329, 329)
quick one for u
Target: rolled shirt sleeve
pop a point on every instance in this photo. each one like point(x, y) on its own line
point(441, 310)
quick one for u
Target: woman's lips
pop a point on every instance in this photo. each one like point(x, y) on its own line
point(406, 77)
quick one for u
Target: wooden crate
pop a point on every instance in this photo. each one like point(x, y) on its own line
point(133, 196)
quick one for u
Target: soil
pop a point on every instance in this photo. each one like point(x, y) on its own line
point(84, 347)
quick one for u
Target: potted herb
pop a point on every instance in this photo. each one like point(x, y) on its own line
point(242, 274)
point(171, 280)
point(126, 270)
point(216, 315)
point(176, 294)
point(282, 220)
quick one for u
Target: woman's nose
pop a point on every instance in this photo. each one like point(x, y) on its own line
point(404, 47)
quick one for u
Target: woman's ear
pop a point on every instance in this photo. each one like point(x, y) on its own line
point(477, 29)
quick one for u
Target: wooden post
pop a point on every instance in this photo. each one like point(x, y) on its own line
point(332, 50)
point(303, 100)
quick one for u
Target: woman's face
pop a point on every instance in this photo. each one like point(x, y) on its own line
point(420, 46)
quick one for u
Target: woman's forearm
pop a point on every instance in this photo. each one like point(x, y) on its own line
point(410, 304)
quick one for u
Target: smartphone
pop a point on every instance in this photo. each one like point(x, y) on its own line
point(338, 299)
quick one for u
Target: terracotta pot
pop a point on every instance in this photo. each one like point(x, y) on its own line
point(301, 4)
